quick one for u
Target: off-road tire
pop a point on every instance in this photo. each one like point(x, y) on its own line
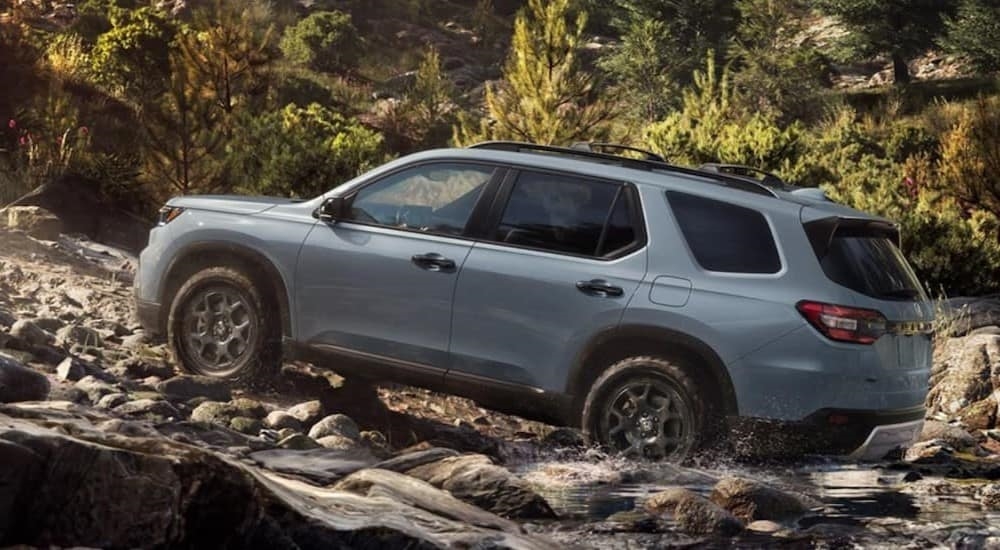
point(666, 375)
point(259, 356)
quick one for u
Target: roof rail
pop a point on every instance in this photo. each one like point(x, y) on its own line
point(749, 172)
point(596, 147)
point(735, 182)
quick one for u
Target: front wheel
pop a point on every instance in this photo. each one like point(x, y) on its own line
point(645, 408)
point(217, 327)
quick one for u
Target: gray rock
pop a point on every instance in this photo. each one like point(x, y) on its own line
point(7, 319)
point(315, 463)
point(19, 383)
point(135, 341)
point(935, 451)
point(475, 479)
point(337, 442)
point(750, 500)
point(78, 334)
point(30, 333)
point(248, 408)
point(137, 367)
point(277, 420)
point(410, 460)
point(95, 388)
point(564, 437)
point(71, 369)
point(17, 356)
point(950, 433)
point(335, 424)
point(246, 425)
point(50, 324)
point(33, 220)
point(376, 442)
point(213, 412)
point(298, 442)
point(184, 386)
point(697, 515)
point(307, 413)
point(148, 407)
point(112, 400)
point(665, 501)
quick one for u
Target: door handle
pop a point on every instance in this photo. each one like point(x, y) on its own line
point(433, 262)
point(599, 287)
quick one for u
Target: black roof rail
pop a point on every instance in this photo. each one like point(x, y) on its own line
point(736, 182)
point(742, 170)
point(596, 147)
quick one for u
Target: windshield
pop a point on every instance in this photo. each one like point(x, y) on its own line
point(872, 265)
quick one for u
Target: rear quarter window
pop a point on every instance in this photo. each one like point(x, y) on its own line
point(725, 237)
point(872, 265)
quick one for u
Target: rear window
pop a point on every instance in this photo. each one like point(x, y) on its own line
point(872, 265)
point(725, 237)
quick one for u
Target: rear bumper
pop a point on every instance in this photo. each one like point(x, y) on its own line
point(856, 434)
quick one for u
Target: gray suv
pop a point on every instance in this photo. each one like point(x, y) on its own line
point(654, 306)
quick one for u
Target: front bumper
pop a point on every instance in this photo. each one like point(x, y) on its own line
point(148, 315)
point(857, 434)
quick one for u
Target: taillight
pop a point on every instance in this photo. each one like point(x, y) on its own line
point(842, 323)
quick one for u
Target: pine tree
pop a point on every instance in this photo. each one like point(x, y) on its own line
point(545, 96)
point(899, 28)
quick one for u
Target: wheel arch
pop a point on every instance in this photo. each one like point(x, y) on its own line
point(197, 256)
point(613, 345)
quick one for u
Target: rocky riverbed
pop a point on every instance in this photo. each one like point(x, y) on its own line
point(104, 443)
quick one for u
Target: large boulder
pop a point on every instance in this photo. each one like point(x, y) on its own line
point(962, 315)
point(476, 480)
point(335, 425)
point(19, 383)
point(751, 500)
point(35, 221)
point(150, 491)
point(79, 206)
point(965, 381)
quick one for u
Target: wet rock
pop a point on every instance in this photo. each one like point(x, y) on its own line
point(33, 220)
point(185, 386)
point(949, 433)
point(335, 424)
point(375, 442)
point(764, 526)
point(49, 324)
point(277, 420)
point(7, 318)
point(935, 451)
point(298, 442)
point(989, 496)
point(148, 408)
point(475, 479)
point(664, 502)
point(112, 400)
point(246, 425)
point(912, 476)
point(401, 488)
point(17, 356)
point(30, 333)
point(138, 367)
point(697, 515)
point(95, 388)
point(750, 500)
point(19, 383)
point(315, 463)
point(633, 521)
point(409, 460)
point(338, 442)
point(77, 334)
point(307, 413)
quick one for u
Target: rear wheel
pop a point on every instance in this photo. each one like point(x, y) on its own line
point(645, 407)
point(217, 327)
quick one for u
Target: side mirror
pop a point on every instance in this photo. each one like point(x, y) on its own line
point(332, 209)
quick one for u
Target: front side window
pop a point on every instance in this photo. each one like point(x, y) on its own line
point(725, 237)
point(568, 215)
point(435, 198)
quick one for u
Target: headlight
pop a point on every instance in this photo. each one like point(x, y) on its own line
point(168, 214)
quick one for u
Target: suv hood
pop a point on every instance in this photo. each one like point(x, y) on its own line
point(231, 204)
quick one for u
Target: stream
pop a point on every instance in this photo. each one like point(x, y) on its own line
point(863, 505)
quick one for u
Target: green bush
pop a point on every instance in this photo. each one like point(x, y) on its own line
point(324, 41)
point(300, 151)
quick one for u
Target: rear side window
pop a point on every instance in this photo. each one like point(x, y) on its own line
point(725, 237)
point(568, 215)
point(872, 265)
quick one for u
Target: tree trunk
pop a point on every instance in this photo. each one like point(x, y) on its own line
point(900, 71)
